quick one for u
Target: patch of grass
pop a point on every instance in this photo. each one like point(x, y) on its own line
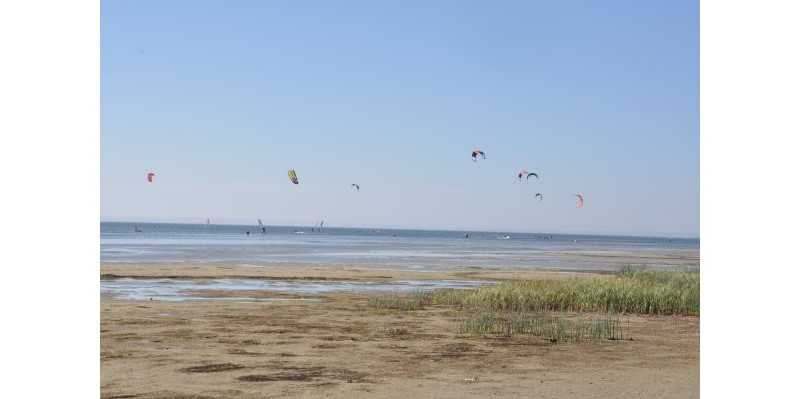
point(555, 327)
point(630, 290)
point(413, 301)
point(391, 330)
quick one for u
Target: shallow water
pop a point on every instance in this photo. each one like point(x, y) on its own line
point(413, 250)
point(418, 251)
point(184, 290)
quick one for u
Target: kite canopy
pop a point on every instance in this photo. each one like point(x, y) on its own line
point(524, 173)
point(580, 200)
point(355, 186)
point(150, 177)
point(293, 176)
point(539, 195)
point(475, 155)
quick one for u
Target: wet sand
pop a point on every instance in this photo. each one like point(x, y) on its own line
point(339, 346)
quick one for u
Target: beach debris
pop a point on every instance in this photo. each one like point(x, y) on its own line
point(293, 176)
point(473, 379)
point(355, 186)
point(150, 177)
point(539, 195)
point(580, 200)
point(475, 155)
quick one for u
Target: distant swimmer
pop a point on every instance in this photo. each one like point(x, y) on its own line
point(263, 229)
point(136, 229)
point(466, 235)
point(248, 232)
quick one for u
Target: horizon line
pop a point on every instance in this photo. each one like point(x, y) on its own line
point(615, 234)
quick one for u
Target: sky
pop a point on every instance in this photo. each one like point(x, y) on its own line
point(220, 98)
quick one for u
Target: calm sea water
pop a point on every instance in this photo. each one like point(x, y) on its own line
point(419, 250)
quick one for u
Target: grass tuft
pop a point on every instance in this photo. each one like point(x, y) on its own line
point(414, 301)
point(555, 327)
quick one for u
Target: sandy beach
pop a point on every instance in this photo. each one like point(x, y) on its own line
point(336, 345)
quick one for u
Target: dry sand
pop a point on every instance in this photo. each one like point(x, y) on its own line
point(338, 346)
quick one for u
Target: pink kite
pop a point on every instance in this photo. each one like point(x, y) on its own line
point(580, 200)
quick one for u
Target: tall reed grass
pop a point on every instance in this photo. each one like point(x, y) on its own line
point(631, 290)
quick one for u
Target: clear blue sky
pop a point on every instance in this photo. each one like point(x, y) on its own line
point(220, 98)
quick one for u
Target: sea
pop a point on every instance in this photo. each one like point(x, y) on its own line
point(392, 249)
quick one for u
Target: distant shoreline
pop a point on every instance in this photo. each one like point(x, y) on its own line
point(406, 229)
